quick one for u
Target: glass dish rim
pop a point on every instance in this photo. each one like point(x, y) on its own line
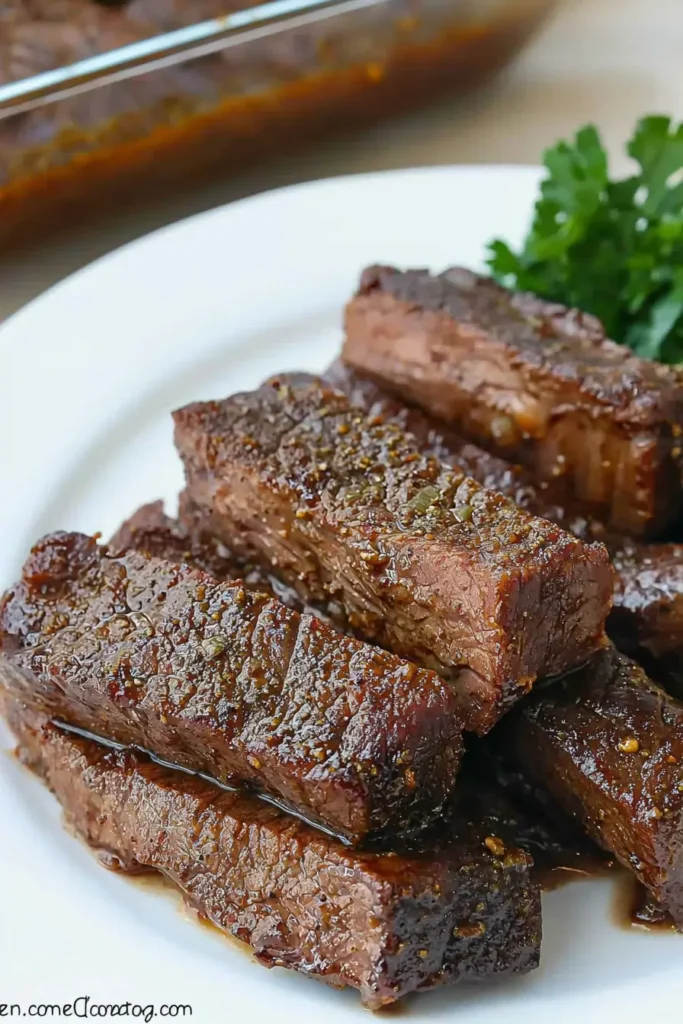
point(170, 48)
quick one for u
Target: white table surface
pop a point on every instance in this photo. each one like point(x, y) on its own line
point(608, 61)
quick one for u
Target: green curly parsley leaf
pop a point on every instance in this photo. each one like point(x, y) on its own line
point(612, 248)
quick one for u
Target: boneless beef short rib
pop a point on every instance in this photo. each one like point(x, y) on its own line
point(386, 924)
point(216, 678)
point(534, 381)
point(345, 508)
point(647, 616)
point(607, 744)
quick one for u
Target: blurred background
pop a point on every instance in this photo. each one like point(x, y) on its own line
point(157, 127)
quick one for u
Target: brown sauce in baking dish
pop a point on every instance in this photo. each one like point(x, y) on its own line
point(138, 136)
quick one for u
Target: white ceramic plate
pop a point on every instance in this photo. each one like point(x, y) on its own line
point(88, 375)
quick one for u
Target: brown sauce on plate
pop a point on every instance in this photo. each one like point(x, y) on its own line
point(562, 857)
point(156, 882)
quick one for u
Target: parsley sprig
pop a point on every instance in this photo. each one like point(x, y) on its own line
point(611, 248)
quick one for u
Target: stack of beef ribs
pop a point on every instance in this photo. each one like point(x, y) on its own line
point(267, 699)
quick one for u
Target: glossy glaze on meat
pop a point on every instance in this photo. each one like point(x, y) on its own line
point(386, 924)
point(607, 744)
point(534, 381)
point(220, 679)
point(346, 508)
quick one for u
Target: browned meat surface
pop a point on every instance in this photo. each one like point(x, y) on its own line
point(434, 436)
point(346, 508)
point(187, 539)
point(150, 529)
point(193, 523)
point(384, 923)
point(559, 849)
point(607, 743)
point(219, 679)
point(548, 499)
point(184, 540)
point(536, 382)
point(647, 617)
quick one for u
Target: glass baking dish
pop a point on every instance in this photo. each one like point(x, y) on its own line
point(100, 102)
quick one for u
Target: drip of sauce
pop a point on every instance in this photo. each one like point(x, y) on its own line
point(561, 853)
point(156, 882)
point(637, 907)
point(397, 1009)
